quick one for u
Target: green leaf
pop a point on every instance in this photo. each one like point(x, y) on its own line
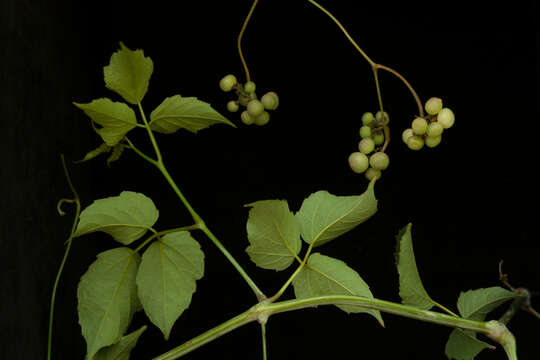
point(184, 112)
point(122, 349)
point(324, 217)
point(463, 345)
point(476, 304)
point(125, 217)
point(273, 234)
point(411, 289)
point(106, 296)
point(115, 155)
point(128, 74)
point(166, 278)
point(103, 148)
point(116, 119)
point(324, 275)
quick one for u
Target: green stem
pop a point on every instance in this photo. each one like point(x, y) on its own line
point(158, 234)
point(140, 153)
point(263, 334)
point(150, 134)
point(239, 40)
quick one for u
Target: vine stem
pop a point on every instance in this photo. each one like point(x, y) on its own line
point(239, 40)
point(263, 335)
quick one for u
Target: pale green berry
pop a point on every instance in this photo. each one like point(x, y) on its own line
point(232, 106)
point(446, 118)
point(434, 129)
point(419, 126)
point(415, 142)
point(262, 119)
point(367, 118)
point(246, 118)
point(378, 138)
point(379, 161)
point(227, 82)
point(378, 116)
point(433, 105)
point(249, 87)
point(270, 100)
point(407, 133)
point(372, 173)
point(366, 145)
point(255, 108)
point(432, 141)
point(365, 132)
point(358, 162)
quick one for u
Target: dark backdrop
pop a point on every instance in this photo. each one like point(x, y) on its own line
point(472, 200)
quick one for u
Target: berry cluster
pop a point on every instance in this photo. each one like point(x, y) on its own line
point(255, 112)
point(372, 134)
point(428, 131)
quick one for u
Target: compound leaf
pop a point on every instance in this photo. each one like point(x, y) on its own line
point(324, 275)
point(273, 234)
point(116, 119)
point(125, 217)
point(411, 289)
point(188, 113)
point(166, 278)
point(323, 216)
point(122, 349)
point(463, 345)
point(128, 74)
point(106, 295)
point(476, 304)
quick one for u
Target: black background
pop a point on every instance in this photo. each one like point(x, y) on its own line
point(472, 200)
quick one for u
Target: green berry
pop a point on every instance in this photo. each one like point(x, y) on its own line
point(372, 173)
point(378, 116)
point(432, 141)
point(262, 119)
point(415, 142)
point(419, 126)
point(365, 132)
point(433, 105)
point(255, 108)
point(379, 161)
point(270, 100)
point(406, 135)
point(358, 162)
point(434, 129)
point(249, 87)
point(367, 118)
point(232, 106)
point(227, 82)
point(246, 118)
point(446, 118)
point(378, 138)
point(366, 145)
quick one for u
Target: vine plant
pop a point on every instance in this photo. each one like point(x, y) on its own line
point(159, 274)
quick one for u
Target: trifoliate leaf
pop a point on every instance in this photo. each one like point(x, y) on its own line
point(273, 234)
point(476, 304)
point(166, 278)
point(105, 296)
point(323, 216)
point(188, 113)
point(324, 275)
point(116, 119)
point(463, 345)
point(115, 154)
point(411, 289)
point(125, 217)
point(128, 74)
point(103, 148)
point(122, 349)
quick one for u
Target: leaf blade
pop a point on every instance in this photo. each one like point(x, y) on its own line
point(463, 345)
point(476, 304)
point(122, 349)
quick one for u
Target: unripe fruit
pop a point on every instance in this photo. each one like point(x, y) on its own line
point(358, 162)
point(270, 100)
point(433, 105)
point(378, 116)
point(232, 106)
point(379, 161)
point(255, 108)
point(432, 141)
point(415, 142)
point(249, 87)
point(419, 126)
point(246, 119)
point(446, 118)
point(365, 132)
point(227, 82)
point(407, 133)
point(262, 119)
point(367, 118)
point(366, 145)
point(378, 138)
point(372, 173)
point(434, 129)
